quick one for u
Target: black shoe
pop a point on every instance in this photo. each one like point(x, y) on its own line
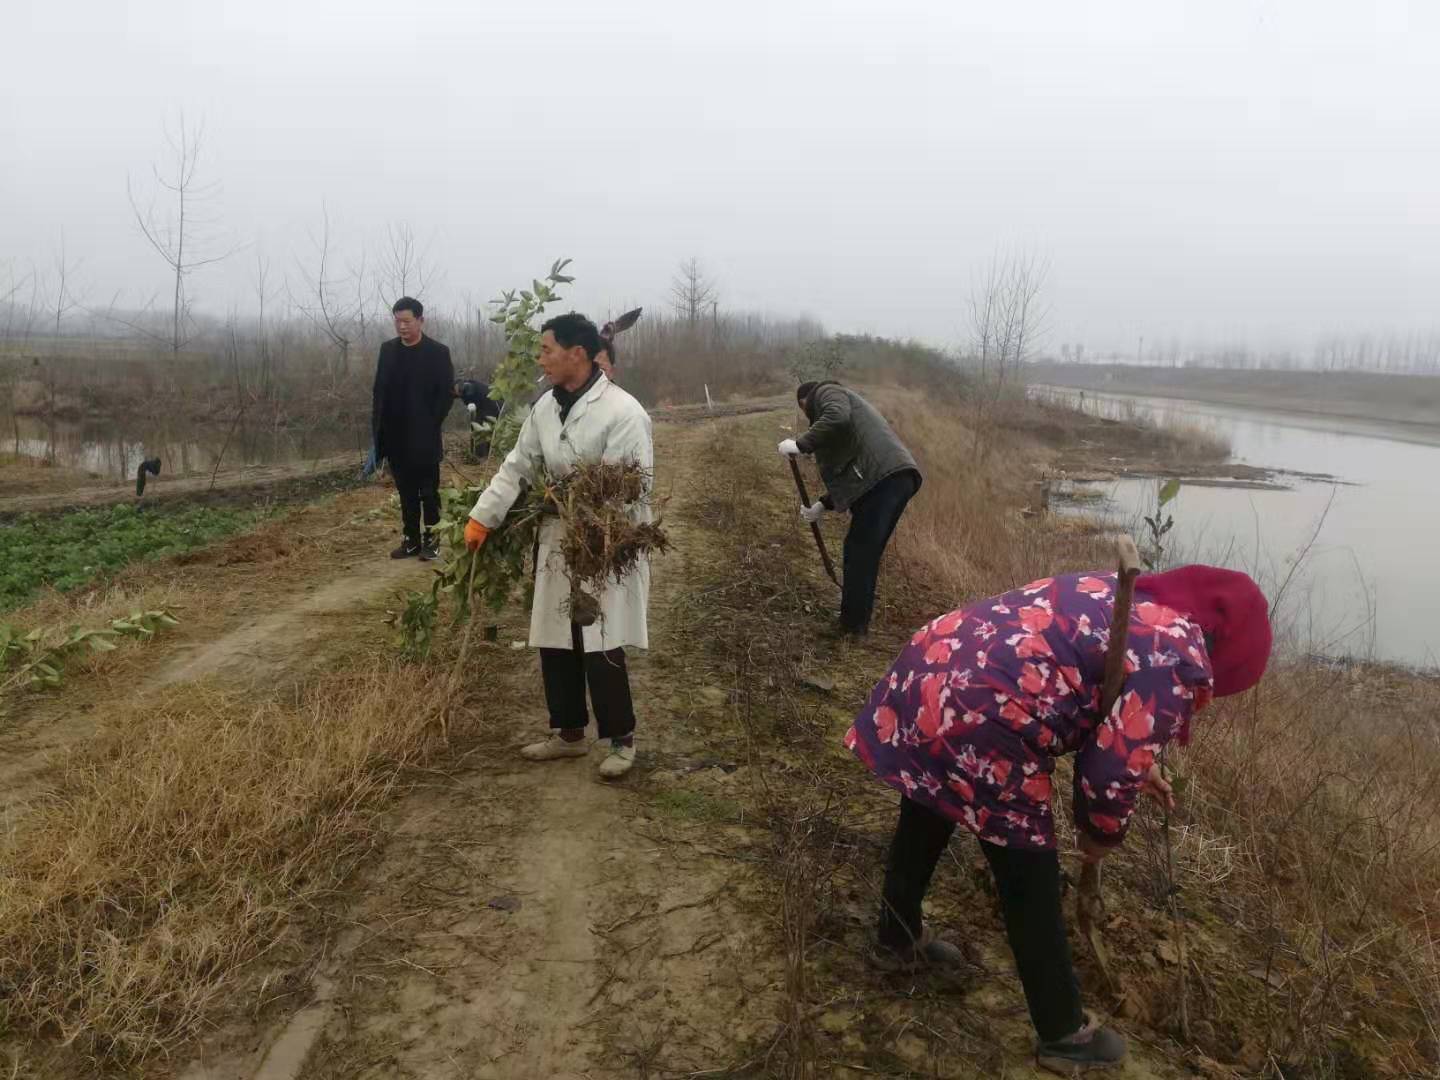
point(407, 550)
point(1092, 1047)
point(429, 547)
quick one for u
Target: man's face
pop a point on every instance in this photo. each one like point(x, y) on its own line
point(606, 364)
point(562, 366)
point(409, 326)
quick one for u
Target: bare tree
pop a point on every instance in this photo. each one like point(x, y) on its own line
point(987, 302)
point(65, 298)
point(333, 315)
point(1007, 314)
point(1027, 311)
point(692, 294)
point(173, 231)
point(11, 303)
point(365, 316)
point(405, 267)
point(264, 353)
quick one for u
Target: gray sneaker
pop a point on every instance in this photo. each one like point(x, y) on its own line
point(1092, 1047)
point(930, 954)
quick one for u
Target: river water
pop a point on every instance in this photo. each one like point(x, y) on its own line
point(113, 450)
point(1360, 554)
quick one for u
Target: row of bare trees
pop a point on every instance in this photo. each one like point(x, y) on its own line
point(337, 304)
point(1416, 352)
point(1008, 315)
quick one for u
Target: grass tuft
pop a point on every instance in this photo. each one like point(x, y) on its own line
point(180, 845)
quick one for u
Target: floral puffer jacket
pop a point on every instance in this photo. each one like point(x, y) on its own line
point(980, 703)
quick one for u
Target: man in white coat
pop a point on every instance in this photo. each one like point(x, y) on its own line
point(582, 417)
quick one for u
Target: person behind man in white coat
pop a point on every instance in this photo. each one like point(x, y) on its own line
point(582, 417)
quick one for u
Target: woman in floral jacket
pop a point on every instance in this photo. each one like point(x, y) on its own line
point(972, 715)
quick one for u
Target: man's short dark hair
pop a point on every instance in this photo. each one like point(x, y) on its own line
point(410, 304)
point(575, 329)
point(804, 390)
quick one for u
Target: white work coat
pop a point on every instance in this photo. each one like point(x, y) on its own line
point(607, 424)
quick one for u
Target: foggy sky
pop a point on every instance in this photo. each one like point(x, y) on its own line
point(1258, 170)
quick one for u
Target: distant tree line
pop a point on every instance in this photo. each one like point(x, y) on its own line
point(1413, 353)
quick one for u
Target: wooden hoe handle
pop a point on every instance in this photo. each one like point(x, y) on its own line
point(1120, 624)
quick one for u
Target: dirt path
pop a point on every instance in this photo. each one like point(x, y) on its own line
point(534, 921)
point(269, 622)
point(295, 633)
point(228, 486)
point(526, 921)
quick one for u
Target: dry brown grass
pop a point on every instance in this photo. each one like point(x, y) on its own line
point(965, 535)
point(1323, 791)
point(1310, 837)
point(180, 845)
point(1119, 429)
point(1308, 841)
point(21, 475)
point(142, 901)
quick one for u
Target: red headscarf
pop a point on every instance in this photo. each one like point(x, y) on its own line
point(1229, 607)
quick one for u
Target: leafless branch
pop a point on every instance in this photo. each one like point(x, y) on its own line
point(171, 234)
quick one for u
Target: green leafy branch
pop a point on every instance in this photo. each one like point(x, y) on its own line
point(27, 660)
point(1153, 552)
point(518, 311)
point(489, 577)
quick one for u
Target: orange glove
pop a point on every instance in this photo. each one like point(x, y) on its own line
point(475, 534)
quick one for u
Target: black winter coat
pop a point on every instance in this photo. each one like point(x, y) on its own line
point(474, 392)
point(414, 389)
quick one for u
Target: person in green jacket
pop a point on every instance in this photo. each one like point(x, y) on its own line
point(867, 471)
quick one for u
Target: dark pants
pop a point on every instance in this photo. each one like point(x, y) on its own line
point(872, 521)
point(419, 487)
point(566, 673)
point(1029, 886)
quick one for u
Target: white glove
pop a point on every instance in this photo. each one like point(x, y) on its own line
point(811, 514)
point(788, 448)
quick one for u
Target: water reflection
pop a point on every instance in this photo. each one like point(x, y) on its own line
point(111, 450)
point(1367, 585)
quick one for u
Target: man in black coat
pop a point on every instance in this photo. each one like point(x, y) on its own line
point(414, 389)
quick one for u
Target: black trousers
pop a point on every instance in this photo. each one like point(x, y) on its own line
point(872, 522)
point(419, 488)
point(566, 674)
point(1029, 886)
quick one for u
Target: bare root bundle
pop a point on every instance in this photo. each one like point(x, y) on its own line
point(604, 536)
point(134, 905)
